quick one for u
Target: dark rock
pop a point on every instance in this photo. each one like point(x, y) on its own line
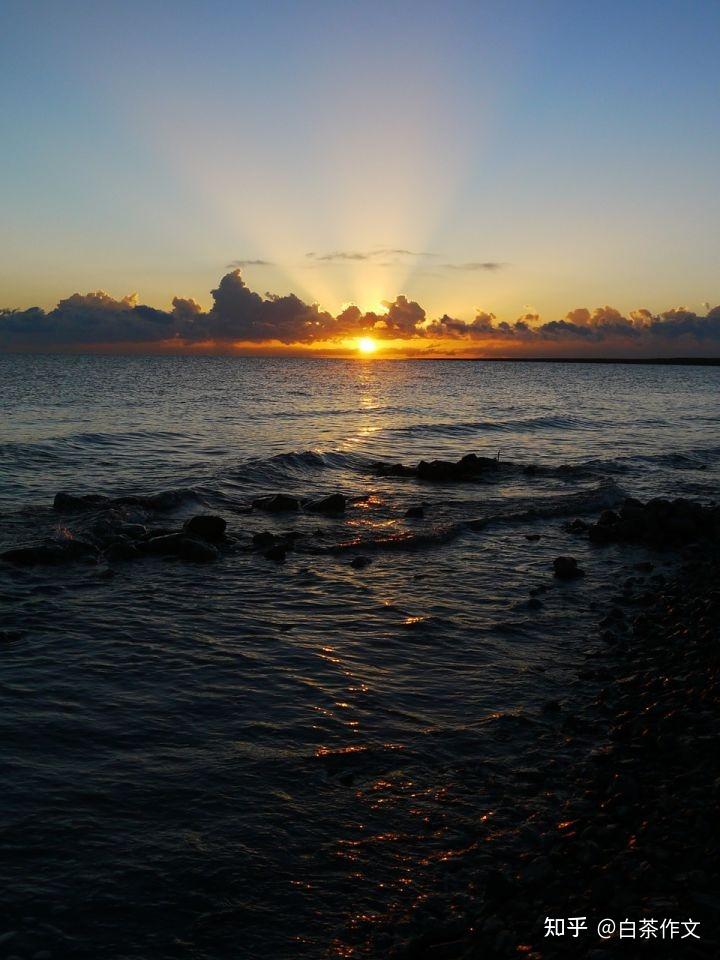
point(437, 470)
point(48, 554)
point(394, 470)
point(566, 568)
point(197, 551)
point(264, 539)
point(277, 503)
point(533, 537)
point(415, 513)
point(359, 563)
point(602, 533)
point(576, 526)
point(631, 509)
point(469, 467)
point(552, 706)
point(335, 503)
point(205, 527)
point(136, 531)
point(70, 502)
point(276, 553)
point(164, 545)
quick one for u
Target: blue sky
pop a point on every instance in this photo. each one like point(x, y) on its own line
point(146, 146)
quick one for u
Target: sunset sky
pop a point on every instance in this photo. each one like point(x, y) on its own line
point(519, 159)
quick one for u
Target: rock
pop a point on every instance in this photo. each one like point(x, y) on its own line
point(136, 531)
point(163, 545)
point(359, 563)
point(264, 539)
point(48, 554)
point(437, 470)
point(566, 568)
point(394, 470)
point(197, 551)
point(335, 503)
point(267, 541)
point(206, 527)
point(276, 553)
point(415, 513)
point(533, 537)
point(69, 502)
point(277, 503)
point(576, 526)
point(469, 467)
point(602, 533)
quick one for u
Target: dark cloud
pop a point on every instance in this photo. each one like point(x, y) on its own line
point(354, 255)
point(476, 265)
point(241, 264)
point(239, 314)
point(601, 326)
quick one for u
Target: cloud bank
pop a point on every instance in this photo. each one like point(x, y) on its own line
point(240, 316)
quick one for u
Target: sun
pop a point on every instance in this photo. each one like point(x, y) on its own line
point(366, 345)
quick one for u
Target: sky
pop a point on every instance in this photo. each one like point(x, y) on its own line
point(506, 160)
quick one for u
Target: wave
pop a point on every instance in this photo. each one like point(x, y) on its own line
point(293, 466)
point(695, 458)
point(605, 495)
point(471, 427)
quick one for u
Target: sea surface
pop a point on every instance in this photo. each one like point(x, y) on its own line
point(256, 760)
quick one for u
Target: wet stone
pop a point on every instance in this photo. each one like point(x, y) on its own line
point(206, 527)
point(335, 503)
point(566, 568)
point(276, 554)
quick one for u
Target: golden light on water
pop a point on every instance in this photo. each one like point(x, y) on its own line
point(366, 345)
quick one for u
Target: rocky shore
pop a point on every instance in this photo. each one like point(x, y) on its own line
point(626, 832)
point(617, 822)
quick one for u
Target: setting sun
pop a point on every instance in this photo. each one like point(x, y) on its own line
point(366, 345)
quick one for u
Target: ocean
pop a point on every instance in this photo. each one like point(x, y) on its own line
point(254, 759)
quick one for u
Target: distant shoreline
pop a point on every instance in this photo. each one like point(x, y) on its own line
point(658, 361)
point(664, 361)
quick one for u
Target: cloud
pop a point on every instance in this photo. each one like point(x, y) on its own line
point(603, 326)
point(375, 254)
point(240, 315)
point(489, 265)
point(241, 264)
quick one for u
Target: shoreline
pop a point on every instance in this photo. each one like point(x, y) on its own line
point(628, 831)
point(230, 355)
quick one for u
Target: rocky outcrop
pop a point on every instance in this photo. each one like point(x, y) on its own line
point(469, 467)
point(206, 527)
point(657, 523)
